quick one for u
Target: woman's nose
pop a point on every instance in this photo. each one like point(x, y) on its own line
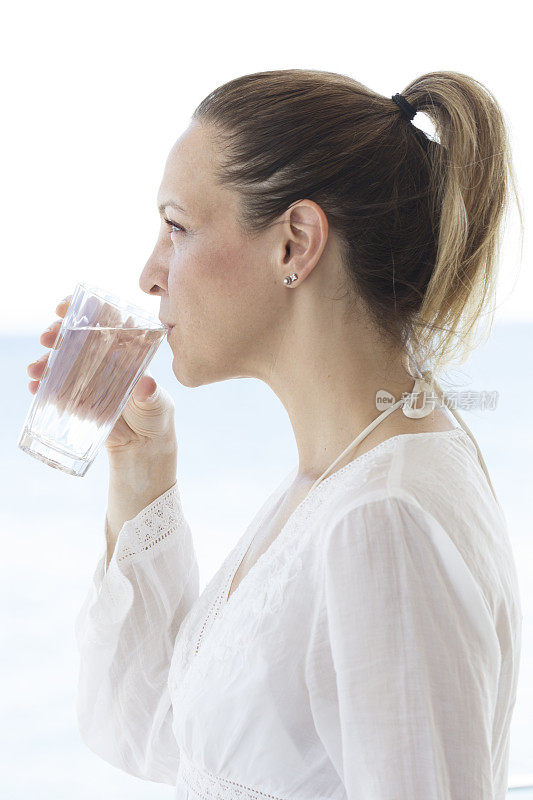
point(153, 278)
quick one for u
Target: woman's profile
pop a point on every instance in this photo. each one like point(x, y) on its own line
point(362, 639)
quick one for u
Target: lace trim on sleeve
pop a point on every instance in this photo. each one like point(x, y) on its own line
point(206, 785)
point(152, 525)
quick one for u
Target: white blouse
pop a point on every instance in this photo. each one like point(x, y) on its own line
point(371, 652)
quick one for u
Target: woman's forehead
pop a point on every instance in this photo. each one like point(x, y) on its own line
point(189, 178)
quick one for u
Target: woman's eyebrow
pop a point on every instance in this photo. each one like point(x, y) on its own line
point(161, 207)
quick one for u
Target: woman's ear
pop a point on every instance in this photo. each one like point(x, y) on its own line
point(305, 234)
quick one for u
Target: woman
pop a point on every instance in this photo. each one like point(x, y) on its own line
point(362, 639)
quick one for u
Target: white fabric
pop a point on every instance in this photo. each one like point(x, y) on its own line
point(371, 653)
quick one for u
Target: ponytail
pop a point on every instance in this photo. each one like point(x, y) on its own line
point(472, 175)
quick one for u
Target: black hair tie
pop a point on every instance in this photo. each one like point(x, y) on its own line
point(407, 109)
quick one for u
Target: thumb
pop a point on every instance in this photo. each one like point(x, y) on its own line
point(146, 390)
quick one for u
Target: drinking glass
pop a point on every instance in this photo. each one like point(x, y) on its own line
point(102, 348)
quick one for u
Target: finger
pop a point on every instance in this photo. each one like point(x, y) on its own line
point(36, 368)
point(33, 386)
point(61, 308)
point(48, 336)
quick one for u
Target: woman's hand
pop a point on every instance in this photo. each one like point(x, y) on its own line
point(147, 420)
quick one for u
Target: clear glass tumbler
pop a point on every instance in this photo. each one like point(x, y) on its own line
point(103, 347)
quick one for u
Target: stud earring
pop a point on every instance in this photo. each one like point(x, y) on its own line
point(290, 279)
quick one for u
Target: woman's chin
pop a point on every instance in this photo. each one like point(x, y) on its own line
point(184, 372)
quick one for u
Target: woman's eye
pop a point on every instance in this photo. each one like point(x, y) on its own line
point(174, 227)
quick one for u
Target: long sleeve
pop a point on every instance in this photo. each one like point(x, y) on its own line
point(125, 633)
point(403, 669)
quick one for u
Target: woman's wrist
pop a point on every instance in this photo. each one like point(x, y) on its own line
point(136, 479)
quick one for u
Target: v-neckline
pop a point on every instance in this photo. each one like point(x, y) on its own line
point(271, 508)
point(222, 604)
point(223, 600)
point(268, 516)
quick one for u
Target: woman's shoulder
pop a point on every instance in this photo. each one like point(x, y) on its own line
point(428, 468)
point(421, 490)
point(436, 477)
point(417, 502)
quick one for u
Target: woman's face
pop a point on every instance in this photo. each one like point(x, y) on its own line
point(222, 291)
